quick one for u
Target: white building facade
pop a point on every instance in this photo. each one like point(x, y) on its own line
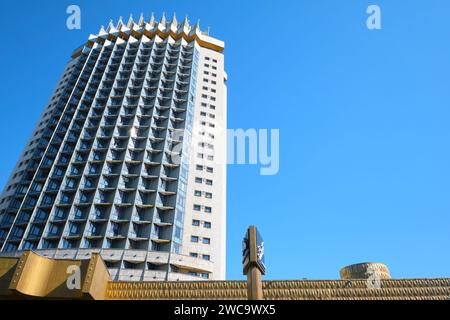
point(129, 157)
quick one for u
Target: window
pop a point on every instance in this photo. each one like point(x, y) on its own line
point(47, 200)
point(198, 180)
point(65, 198)
point(199, 167)
point(78, 213)
point(197, 193)
point(209, 182)
point(35, 231)
point(197, 207)
point(58, 172)
point(196, 223)
point(70, 184)
point(84, 197)
point(74, 171)
point(98, 213)
point(29, 245)
point(194, 255)
point(17, 232)
point(194, 239)
point(207, 225)
point(208, 195)
point(59, 213)
point(178, 233)
point(36, 187)
point(24, 217)
point(88, 183)
point(97, 156)
point(47, 162)
point(80, 157)
point(41, 215)
point(53, 230)
point(73, 229)
point(206, 257)
point(210, 169)
point(206, 241)
point(208, 209)
point(67, 244)
point(63, 159)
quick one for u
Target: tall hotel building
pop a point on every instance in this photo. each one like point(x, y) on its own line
point(129, 157)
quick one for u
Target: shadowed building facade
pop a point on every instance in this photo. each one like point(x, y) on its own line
point(128, 160)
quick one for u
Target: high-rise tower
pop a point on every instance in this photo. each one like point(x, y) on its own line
point(129, 157)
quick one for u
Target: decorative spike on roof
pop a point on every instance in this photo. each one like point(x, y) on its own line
point(152, 20)
point(163, 19)
point(110, 25)
point(141, 20)
point(197, 27)
point(174, 21)
point(120, 23)
point(164, 24)
point(130, 22)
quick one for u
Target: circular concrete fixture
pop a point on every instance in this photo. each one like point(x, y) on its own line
point(365, 271)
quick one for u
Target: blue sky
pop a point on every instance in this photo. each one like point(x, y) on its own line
point(363, 118)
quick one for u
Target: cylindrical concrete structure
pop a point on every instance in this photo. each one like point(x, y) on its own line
point(365, 271)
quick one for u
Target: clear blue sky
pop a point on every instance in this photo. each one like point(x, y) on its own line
point(363, 115)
